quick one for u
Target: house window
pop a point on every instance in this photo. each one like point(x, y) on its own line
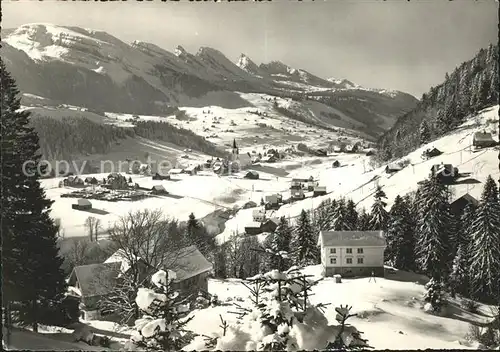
point(348, 250)
point(360, 260)
point(333, 250)
point(360, 250)
point(348, 260)
point(333, 260)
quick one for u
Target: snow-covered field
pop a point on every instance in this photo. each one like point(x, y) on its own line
point(206, 192)
point(221, 125)
point(389, 311)
point(357, 180)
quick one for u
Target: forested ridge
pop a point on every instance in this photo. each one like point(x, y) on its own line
point(472, 86)
point(70, 136)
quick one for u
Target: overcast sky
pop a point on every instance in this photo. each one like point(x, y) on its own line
point(407, 46)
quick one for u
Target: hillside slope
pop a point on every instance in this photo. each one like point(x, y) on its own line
point(389, 311)
point(358, 180)
point(472, 86)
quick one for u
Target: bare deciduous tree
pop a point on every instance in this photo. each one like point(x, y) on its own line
point(144, 241)
point(77, 254)
point(93, 225)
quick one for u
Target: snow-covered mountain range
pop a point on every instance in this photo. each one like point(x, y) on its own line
point(94, 69)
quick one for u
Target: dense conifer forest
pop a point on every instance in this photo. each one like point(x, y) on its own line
point(472, 86)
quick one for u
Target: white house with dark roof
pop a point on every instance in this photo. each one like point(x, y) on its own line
point(352, 253)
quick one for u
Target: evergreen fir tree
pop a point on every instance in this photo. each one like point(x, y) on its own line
point(364, 219)
point(434, 295)
point(432, 247)
point(338, 215)
point(405, 256)
point(280, 242)
point(351, 216)
point(425, 132)
point(303, 243)
point(322, 217)
point(485, 249)
point(399, 238)
point(163, 326)
point(379, 215)
point(464, 235)
point(31, 265)
point(459, 278)
point(220, 262)
point(281, 305)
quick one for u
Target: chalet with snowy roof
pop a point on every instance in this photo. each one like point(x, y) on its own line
point(253, 228)
point(91, 181)
point(352, 253)
point(82, 204)
point(93, 282)
point(175, 171)
point(256, 228)
point(158, 190)
point(297, 194)
point(73, 181)
point(483, 140)
point(311, 184)
point(268, 159)
point(272, 201)
point(431, 153)
point(190, 170)
point(319, 191)
point(445, 173)
point(299, 183)
point(259, 215)
point(321, 152)
point(393, 168)
point(192, 270)
point(253, 175)
point(459, 203)
point(157, 176)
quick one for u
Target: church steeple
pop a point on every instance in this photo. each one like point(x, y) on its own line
point(235, 147)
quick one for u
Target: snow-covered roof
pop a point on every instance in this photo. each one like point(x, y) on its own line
point(272, 198)
point(320, 189)
point(253, 224)
point(84, 202)
point(258, 212)
point(394, 167)
point(189, 262)
point(483, 136)
point(120, 257)
point(190, 168)
point(465, 196)
point(95, 279)
point(300, 179)
point(175, 171)
point(351, 238)
point(158, 188)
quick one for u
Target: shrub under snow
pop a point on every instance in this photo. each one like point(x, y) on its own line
point(162, 325)
point(282, 318)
